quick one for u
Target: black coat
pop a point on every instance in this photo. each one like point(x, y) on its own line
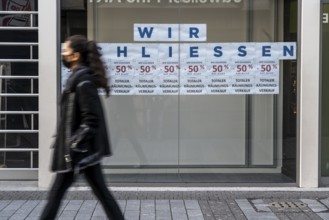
point(82, 138)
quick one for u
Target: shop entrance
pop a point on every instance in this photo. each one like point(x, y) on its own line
point(182, 137)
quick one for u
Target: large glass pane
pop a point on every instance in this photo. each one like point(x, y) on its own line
point(144, 128)
point(213, 127)
point(262, 110)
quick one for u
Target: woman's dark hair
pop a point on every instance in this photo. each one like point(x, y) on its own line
point(90, 56)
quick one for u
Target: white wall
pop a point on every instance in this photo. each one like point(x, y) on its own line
point(48, 43)
point(308, 94)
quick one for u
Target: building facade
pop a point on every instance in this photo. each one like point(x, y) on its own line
point(202, 91)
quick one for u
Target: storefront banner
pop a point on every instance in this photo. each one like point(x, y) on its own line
point(194, 68)
point(170, 32)
point(229, 52)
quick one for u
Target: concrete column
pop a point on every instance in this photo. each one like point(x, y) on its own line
point(48, 70)
point(309, 93)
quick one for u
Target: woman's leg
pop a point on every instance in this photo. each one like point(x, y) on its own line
point(95, 178)
point(62, 182)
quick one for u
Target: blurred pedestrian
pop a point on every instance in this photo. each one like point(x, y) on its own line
point(82, 139)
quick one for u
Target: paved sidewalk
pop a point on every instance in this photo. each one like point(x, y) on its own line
point(175, 203)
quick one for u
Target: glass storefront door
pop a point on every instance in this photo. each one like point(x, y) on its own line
point(185, 133)
point(178, 130)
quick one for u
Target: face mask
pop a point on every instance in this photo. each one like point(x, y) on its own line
point(66, 63)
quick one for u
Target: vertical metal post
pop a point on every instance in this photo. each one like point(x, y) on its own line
point(32, 121)
point(31, 159)
point(32, 85)
point(31, 52)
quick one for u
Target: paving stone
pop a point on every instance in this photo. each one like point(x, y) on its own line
point(83, 217)
point(148, 207)
point(325, 202)
point(68, 214)
point(194, 213)
point(250, 213)
point(235, 209)
point(24, 210)
point(66, 218)
point(99, 218)
point(162, 205)
point(32, 218)
point(36, 212)
point(324, 216)
point(147, 216)
point(298, 216)
point(314, 216)
point(74, 205)
point(179, 216)
point(4, 203)
point(99, 211)
point(192, 204)
point(11, 208)
point(122, 204)
point(314, 205)
point(62, 207)
point(282, 216)
point(206, 210)
point(260, 205)
point(163, 214)
point(163, 218)
point(132, 215)
point(178, 210)
point(133, 205)
point(86, 209)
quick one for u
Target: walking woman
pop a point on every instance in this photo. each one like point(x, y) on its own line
point(81, 139)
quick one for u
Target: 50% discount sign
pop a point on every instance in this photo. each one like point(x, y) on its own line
point(146, 69)
point(268, 68)
point(194, 69)
point(170, 69)
point(121, 69)
point(243, 68)
point(219, 69)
